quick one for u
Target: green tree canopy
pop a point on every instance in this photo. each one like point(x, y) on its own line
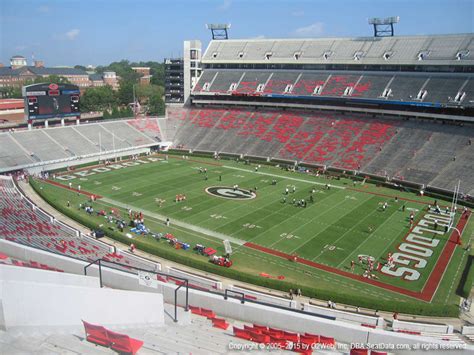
point(125, 92)
point(98, 99)
point(156, 105)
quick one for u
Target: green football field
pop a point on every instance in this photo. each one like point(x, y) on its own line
point(337, 225)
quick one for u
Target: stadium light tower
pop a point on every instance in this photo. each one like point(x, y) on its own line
point(383, 27)
point(219, 30)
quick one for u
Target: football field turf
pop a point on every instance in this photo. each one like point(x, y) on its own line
point(342, 223)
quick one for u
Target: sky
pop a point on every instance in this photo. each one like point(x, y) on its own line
point(98, 32)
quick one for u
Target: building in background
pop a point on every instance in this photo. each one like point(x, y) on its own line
point(145, 76)
point(110, 78)
point(17, 61)
point(20, 72)
point(181, 74)
point(192, 65)
point(174, 80)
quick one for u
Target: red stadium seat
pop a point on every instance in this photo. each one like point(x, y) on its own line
point(260, 327)
point(252, 329)
point(123, 343)
point(207, 313)
point(96, 334)
point(195, 310)
point(259, 337)
point(293, 337)
point(326, 340)
point(241, 333)
point(309, 340)
point(220, 323)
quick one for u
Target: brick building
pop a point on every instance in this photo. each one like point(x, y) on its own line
point(19, 72)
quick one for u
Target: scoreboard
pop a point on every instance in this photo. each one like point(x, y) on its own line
point(51, 100)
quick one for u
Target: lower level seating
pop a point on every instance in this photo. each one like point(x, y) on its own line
point(425, 152)
point(24, 223)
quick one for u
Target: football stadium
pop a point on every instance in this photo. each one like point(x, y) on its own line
point(303, 195)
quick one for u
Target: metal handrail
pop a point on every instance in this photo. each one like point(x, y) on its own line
point(184, 280)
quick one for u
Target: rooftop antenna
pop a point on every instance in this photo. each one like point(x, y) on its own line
point(219, 30)
point(383, 27)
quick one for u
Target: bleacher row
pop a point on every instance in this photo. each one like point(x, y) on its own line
point(19, 148)
point(422, 152)
point(7, 260)
point(23, 223)
point(404, 87)
point(417, 50)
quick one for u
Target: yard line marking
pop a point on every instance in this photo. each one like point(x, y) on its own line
point(283, 177)
point(315, 219)
point(352, 209)
point(293, 216)
point(349, 230)
point(330, 269)
point(367, 239)
point(177, 222)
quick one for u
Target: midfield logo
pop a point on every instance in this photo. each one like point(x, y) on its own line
point(230, 193)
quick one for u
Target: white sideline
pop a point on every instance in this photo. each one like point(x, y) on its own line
point(282, 177)
point(174, 221)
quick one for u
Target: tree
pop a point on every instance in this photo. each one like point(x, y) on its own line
point(98, 99)
point(125, 92)
point(11, 92)
point(156, 105)
point(122, 69)
point(81, 67)
point(115, 112)
point(52, 79)
point(158, 72)
point(144, 92)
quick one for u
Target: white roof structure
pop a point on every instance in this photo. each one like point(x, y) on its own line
point(456, 49)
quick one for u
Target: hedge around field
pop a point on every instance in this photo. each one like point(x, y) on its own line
point(467, 278)
point(418, 308)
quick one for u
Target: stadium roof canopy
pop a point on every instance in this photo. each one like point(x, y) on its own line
point(456, 49)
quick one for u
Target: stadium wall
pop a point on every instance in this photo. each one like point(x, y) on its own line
point(64, 163)
point(229, 101)
point(278, 317)
point(29, 305)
